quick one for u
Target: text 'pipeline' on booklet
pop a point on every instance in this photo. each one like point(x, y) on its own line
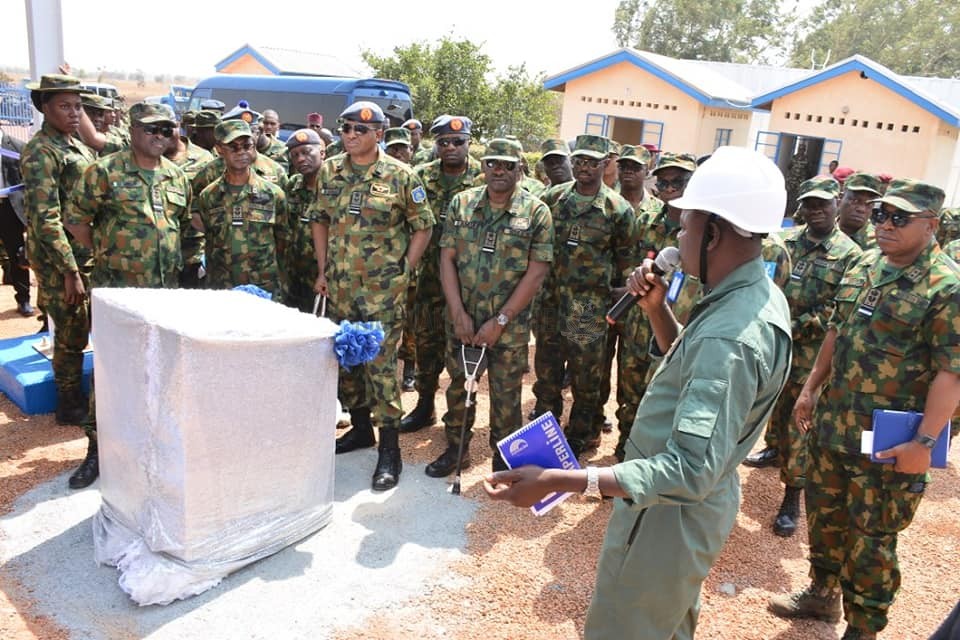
point(891, 428)
point(543, 444)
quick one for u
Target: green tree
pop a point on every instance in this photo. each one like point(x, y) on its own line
point(454, 77)
point(749, 31)
point(911, 37)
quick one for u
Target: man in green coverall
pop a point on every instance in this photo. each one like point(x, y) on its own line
point(678, 490)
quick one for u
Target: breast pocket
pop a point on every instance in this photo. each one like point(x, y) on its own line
point(176, 198)
point(262, 214)
point(514, 249)
point(895, 329)
point(377, 213)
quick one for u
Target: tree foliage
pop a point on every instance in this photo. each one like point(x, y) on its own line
point(748, 31)
point(911, 37)
point(456, 77)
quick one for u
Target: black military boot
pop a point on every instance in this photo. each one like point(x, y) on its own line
point(785, 524)
point(421, 416)
point(89, 469)
point(389, 464)
point(71, 407)
point(447, 462)
point(361, 435)
point(408, 379)
point(766, 457)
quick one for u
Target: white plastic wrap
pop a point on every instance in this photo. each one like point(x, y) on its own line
point(215, 414)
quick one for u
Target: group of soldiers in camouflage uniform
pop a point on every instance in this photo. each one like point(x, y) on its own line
point(446, 250)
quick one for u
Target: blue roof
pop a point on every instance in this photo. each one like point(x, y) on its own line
point(695, 80)
point(873, 71)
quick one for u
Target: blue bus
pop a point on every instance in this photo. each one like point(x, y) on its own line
point(293, 97)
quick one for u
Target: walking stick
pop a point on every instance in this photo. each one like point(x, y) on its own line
point(474, 362)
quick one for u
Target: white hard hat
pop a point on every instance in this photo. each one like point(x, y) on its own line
point(741, 186)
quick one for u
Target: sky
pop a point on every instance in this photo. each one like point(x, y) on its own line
point(549, 37)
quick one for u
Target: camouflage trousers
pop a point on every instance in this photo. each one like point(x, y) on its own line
point(633, 365)
point(71, 331)
point(429, 330)
point(408, 342)
point(300, 295)
point(505, 376)
point(784, 435)
point(855, 509)
point(373, 385)
point(585, 355)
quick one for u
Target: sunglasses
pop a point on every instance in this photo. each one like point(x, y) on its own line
point(446, 142)
point(676, 185)
point(581, 161)
point(239, 147)
point(165, 130)
point(361, 129)
point(628, 166)
point(898, 218)
point(505, 165)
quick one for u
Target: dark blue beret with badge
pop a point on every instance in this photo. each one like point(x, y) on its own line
point(364, 112)
point(447, 124)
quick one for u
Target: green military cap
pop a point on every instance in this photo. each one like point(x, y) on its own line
point(229, 130)
point(819, 187)
point(503, 149)
point(864, 182)
point(243, 112)
point(53, 83)
point(592, 146)
point(188, 117)
point(396, 135)
point(913, 196)
point(684, 161)
point(615, 148)
point(94, 101)
point(634, 154)
point(303, 136)
point(205, 119)
point(147, 113)
point(554, 147)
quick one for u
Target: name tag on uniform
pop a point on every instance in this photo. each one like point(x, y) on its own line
point(489, 242)
point(573, 239)
point(356, 201)
point(870, 302)
point(676, 283)
point(800, 270)
point(236, 217)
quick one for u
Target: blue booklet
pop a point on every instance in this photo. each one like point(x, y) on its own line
point(891, 428)
point(541, 443)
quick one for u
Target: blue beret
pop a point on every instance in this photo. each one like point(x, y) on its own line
point(450, 124)
point(363, 111)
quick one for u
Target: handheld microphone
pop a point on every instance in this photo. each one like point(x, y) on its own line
point(667, 259)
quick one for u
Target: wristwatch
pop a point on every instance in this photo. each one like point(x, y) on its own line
point(593, 484)
point(926, 441)
point(502, 319)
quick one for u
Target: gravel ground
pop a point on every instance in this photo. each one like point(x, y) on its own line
point(520, 577)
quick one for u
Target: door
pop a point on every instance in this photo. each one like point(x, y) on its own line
point(652, 133)
point(768, 143)
point(830, 152)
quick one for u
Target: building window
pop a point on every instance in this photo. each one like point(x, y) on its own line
point(722, 138)
point(832, 119)
point(916, 129)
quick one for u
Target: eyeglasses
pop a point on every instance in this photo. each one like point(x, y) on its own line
point(504, 165)
point(361, 129)
point(446, 142)
point(898, 218)
point(239, 147)
point(628, 166)
point(165, 130)
point(581, 161)
point(676, 184)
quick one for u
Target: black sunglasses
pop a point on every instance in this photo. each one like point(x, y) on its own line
point(581, 161)
point(506, 165)
point(677, 184)
point(165, 130)
point(361, 129)
point(898, 218)
point(239, 147)
point(446, 142)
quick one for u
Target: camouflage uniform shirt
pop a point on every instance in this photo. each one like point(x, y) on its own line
point(300, 261)
point(866, 237)
point(949, 229)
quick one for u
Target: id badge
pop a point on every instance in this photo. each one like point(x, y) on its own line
point(236, 217)
point(676, 284)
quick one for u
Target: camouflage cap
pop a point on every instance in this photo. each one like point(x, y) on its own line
point(503, 149)
point(148, 113)
point(212, 105)
point(913, 196)
point(206, 119)
point(591, 146)
point(229, 130)
point(684, 161)
point(446, 124)
point(53, 83)
point(634, 154)
point(554, 147)
point(302, 137)
point(189, 117)
point(413, 125)
point(819, 187)
point(864, 182)
point(365, 112)
point(615, 148)
point(396, 135)
point(243, 112)
point(95, 101)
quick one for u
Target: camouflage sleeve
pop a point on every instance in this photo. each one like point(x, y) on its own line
point(419, 216)
point(41, 177)
point(448, 239)
point(114, 143)
point(82, 206)
point(281, 227)
point(541, 249)
point(848, 292)
point(942, 332)
point(625, 242)
point(186, 211)
point(319, 210)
